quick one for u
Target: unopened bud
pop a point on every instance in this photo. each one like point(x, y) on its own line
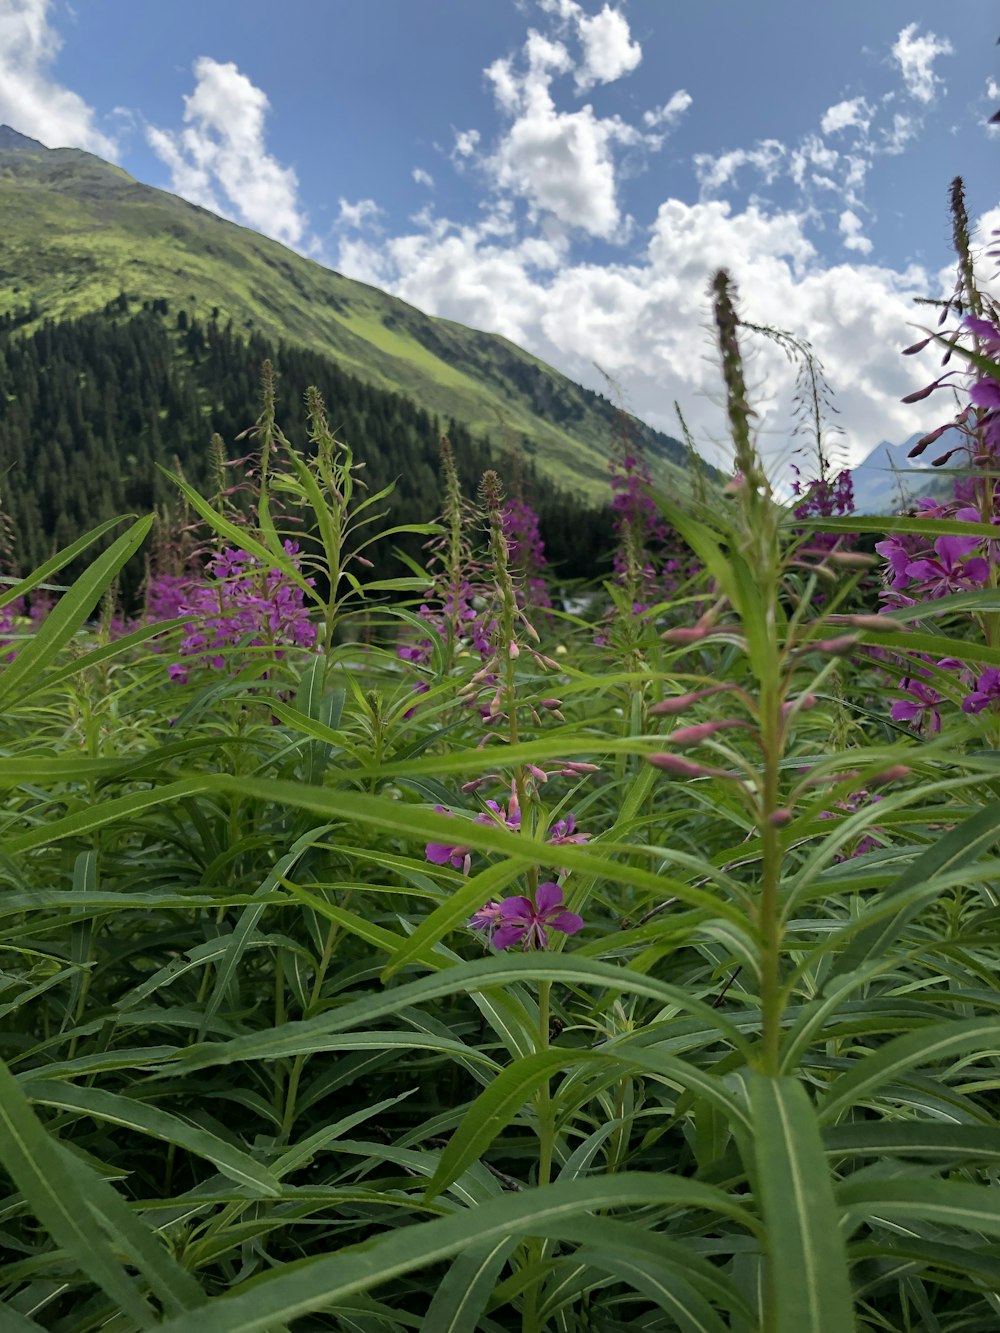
point(572, 768)
point(852, 559)
point(513, 650)
point(539, 774)
point(880, 624)
point(915, 347)
point(495, 702)
point(363, 560)
point(780, 818)
point(919, 394)
point(894, 774)
point(838, 647)
point(680, 703)
point(676, 767)
point(691, 635)
point(550, 703)
point(701, 731)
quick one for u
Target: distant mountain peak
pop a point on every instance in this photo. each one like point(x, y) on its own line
point(11, 138)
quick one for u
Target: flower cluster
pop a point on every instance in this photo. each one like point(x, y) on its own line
point(918, 571)
point(825, 497)
point(527, 552)
point(240, 604)
point(521, 920)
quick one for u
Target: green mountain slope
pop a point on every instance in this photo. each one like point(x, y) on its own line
point(78, 231)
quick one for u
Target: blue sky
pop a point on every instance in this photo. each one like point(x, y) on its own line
point(566, 172)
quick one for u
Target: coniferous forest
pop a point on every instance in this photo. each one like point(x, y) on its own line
point(90, 406)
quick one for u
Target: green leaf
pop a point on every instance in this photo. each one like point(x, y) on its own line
point(34, 1163)
point(965, 843)
point(157, 1123)
point(11, 592)
point(809, 1286)
point(466, 1288)
point(949, 1202)
point(70, 612)
point(928, 1045)
point(296, 1289)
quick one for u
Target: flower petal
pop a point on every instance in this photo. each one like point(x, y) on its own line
point(508, 935)
point(568, 922)
point(548, 896)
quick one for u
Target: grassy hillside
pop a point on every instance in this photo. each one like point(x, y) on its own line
point(78, 231)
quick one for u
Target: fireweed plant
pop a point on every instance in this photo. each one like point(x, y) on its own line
point(506, 1011)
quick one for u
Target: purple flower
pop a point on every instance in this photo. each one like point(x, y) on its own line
point(441, 853)
point(987, 692)
point(521, 920)
point(924, 705)
point(564, 830)
point(951, 571)
point(985, 393)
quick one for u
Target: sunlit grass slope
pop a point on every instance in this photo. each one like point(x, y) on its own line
point(78, 231)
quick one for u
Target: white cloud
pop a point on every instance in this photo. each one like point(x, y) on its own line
point(668, 115)
point(466, 142)
point(358, 215)
point(767, 157)
point(915, 54)
point(220, 160)
point(855, 113)
point(851, 228)
point(608, 49)
point(646, 321)
point(31, 101)
point(423, 177)
point(561, 163)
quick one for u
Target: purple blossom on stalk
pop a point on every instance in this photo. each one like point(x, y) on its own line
point(952, 568)
point(520, 921)
point(922, 708)
point(564, 831)
point(825, 497)
point(527, 552)
point(987, 692)
point(865, 844)
point(241, 605)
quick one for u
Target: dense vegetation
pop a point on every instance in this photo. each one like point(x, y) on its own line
point(89, 407)
point(509, 969)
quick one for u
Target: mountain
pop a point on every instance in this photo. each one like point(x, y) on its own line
point(887, 478)
point(79, 232)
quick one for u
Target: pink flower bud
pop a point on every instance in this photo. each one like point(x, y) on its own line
point(916, 347)
point(680, 703)
point(780, 818)
point(676, 767)
point(550, 703)
point(684, 635)
point(539, 774)
point(894, 774)
point(496, 702)
point(701, 731)
point(513, 650)
point(571, 768)
point(919, 394)
point(879, 624)
point(838, 647)
point(363, 560)
point(852, 559)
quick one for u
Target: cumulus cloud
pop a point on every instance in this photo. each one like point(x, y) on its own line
point(851, 228)
point(646, 320)
point(767, 158)
point(915, 54)
point(466, 142)
point(608, 49)
point(854, 113)
point(423, 177)
point(359, 214)
point(668, 115)
point(220, 159)
point(561, 163)
point(31, 100)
